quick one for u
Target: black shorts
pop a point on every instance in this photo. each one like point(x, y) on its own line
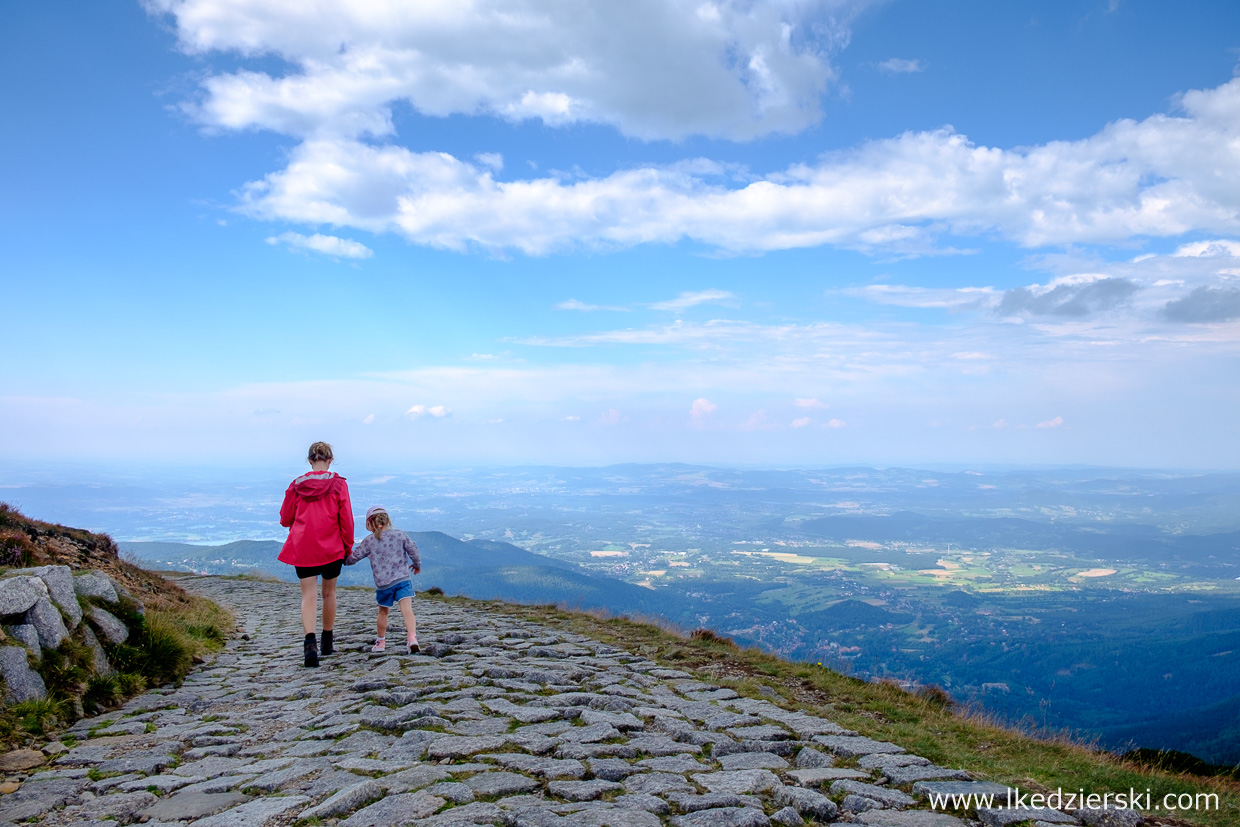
point(329, 571)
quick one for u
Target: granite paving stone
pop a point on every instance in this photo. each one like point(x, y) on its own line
point(190, 806)
point(345, 801)
point(907, 775)
point(686, 803)
point(453, 791)
point(881, 760)
point(822, 775)
point(1003, 816)
point(488, 784)
point(723, 817)
point(787, 817)
point(737, 781)
point(582, 790)
point(906, 818)
point(883, 795)
point(806, 802)
point(257, 813)
point(395, 811)
point(752, 761)
point(849, 746)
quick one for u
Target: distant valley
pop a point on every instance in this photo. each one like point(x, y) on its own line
point(1096, 601)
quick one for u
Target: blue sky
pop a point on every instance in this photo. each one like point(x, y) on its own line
point(781, 233)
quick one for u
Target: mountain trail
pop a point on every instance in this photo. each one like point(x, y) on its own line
point(497, 721)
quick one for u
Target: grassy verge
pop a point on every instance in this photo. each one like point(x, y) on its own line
point(926, 724)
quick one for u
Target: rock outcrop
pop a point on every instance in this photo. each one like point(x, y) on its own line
point(41, 608)
point(76, 592)
point(498, 721)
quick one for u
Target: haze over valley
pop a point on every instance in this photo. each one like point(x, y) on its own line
point(1101, 602)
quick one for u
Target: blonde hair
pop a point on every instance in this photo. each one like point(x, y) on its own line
point(320, 452)
point(378, 523)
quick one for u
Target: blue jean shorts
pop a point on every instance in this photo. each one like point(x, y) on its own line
point(394, 593)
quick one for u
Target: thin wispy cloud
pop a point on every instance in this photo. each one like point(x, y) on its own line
point(574, 304)
point(328, 245)
point(947, 298)
point(693, 298)
point(901, 66)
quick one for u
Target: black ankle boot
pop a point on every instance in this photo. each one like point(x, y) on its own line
point(325, 647)
point(312, 651)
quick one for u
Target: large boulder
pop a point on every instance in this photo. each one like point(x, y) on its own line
point(18, 594)
point(109, 625)
point(126, 594)
point(59, 582)
point(48, 623)
point(21, 683)
point(95, 583)
point(27, 636)
point(98, 657)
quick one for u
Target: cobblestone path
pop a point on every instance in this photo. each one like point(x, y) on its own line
point(497, 721)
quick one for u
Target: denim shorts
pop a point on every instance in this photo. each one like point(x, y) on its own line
point(394, 593)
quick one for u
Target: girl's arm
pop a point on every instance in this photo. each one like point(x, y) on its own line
point(411, 550)
point(361, 551)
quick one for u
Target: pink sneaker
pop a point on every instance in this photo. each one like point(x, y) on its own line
point(412, 643)
point(380, 645)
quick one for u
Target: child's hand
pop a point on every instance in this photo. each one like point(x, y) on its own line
point(416, 570)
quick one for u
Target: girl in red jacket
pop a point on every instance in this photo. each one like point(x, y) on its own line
point(319, 517)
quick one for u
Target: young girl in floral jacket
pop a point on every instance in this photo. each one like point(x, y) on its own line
point(392, 557)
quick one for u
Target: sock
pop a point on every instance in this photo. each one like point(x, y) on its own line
point(310, 636)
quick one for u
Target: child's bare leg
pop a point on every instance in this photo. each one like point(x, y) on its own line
point(411, 623)
point(382, 621)
point(309, 603)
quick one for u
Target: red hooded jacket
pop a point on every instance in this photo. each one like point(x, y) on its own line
point(319, 517)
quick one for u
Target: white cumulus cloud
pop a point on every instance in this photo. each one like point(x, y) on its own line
point(701, 409)
point(1050, 423)
point(650, 68)
point(418, 411)
point(609, 417)
point(1161, 177)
